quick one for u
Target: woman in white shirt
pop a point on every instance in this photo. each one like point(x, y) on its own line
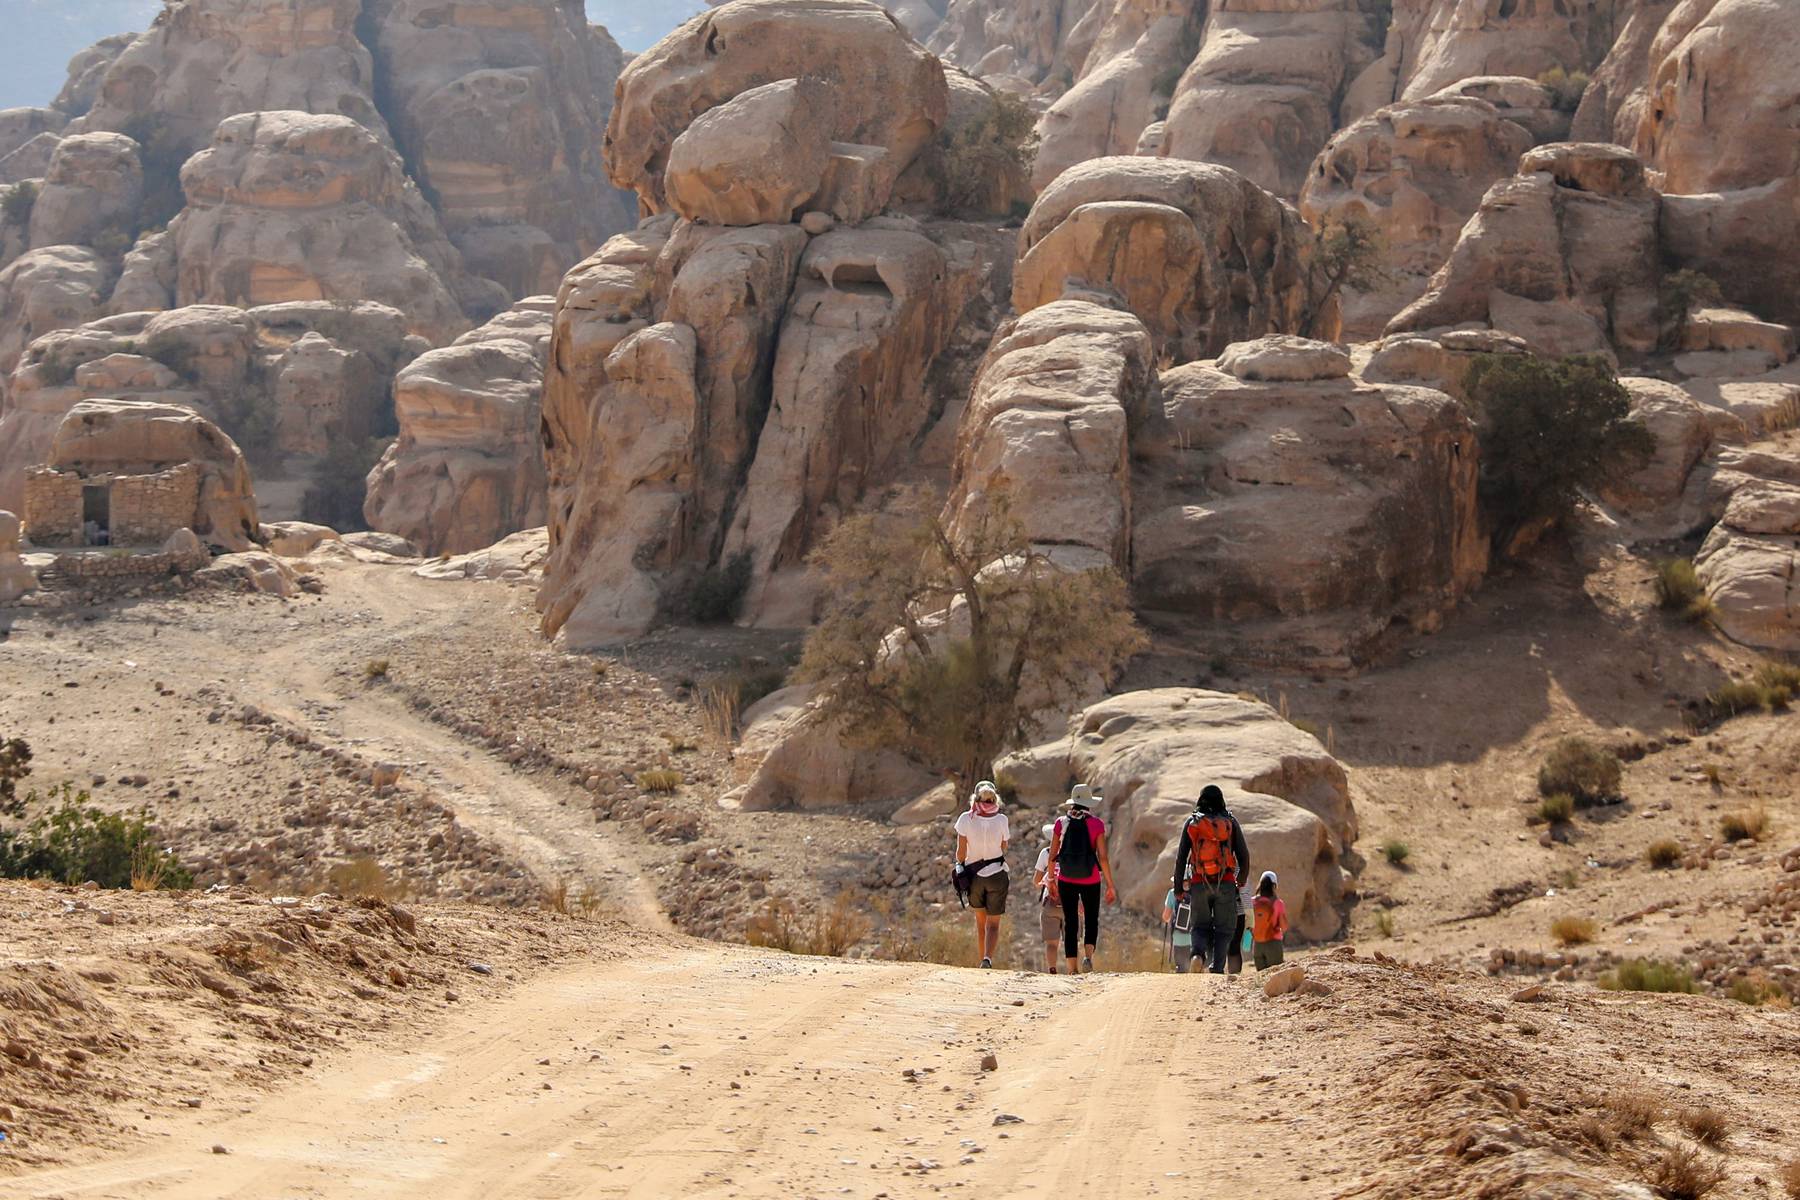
point(981, 837)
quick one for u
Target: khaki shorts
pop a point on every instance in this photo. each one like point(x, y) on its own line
point(1050, 920)
point(988, 893)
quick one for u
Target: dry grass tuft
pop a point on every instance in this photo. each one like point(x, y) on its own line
point(1396, 852)
point(1708, 1126)
point(780, 925)
point(1635, 1113)
point(1598, 1133)
point(1574, 931)
point(363, 878)
point(661, 779)
point(1384, 923)
point(1557, 808)
point(1682, 1173)
point(1749, 825)
point(375, 668)
point(1664, 854)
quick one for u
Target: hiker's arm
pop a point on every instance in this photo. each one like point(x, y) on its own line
point(1181, 857)
point(1105, 867)
point(1050, 863)
point(1241, 848)
point(962, 848)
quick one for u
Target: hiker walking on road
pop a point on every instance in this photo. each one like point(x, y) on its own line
point(981, 837)
point(1209, 862)
point(1271, 923)
point(1178, 915)
point(1050, 915)
point(1078, 850)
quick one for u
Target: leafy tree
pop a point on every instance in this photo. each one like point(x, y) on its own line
point(15, 765)
point(1682, 294)
point(951, 647)
point(1346, 253)
point(1549, 428)
point(1003, 140)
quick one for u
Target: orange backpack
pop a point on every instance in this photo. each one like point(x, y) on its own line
point(1211, 858)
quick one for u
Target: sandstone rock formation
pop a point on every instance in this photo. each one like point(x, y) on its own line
point(1203, 256)
point(1416, 172)
point(94, 186)
point(1304, 518)
point(467, 468)
point(1262, 93)
point(1749, 563)
point(1565, 255)
point(1149, 753)
point(888, 95)
point(16, 578)
point(1432, 44)
point(799, 762)
point(501, 106)
point(294, 206)
point(52, 288)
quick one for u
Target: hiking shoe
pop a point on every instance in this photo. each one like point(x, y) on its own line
point(1087, 965)
point(987, 962)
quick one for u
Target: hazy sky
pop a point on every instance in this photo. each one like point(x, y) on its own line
point(42, 35)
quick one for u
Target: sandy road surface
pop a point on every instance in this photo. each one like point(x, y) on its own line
point(617, 1080)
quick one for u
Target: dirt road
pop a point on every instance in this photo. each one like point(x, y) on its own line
point(710, 1072)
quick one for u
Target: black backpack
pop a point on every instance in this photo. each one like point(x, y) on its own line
point(1076, 858)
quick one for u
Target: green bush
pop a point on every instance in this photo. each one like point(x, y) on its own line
point(1649, 975)
point(1548, 429)
point(15, 765)
point(1396, 852)
point(1557, 807)
point(1566, 87)
point(76, 842)
point(1004, 139)
point(1771, 687)
point(1586, 773)
point(20, 199)
point(1681, 294)
point(1678, 589)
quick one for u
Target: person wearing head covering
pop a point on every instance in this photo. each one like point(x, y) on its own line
point(1271, 923)
point(981, 837)
point(1209, 861)
point(1050, 914)
point(1078, 848)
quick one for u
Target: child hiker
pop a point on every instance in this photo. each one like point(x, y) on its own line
point(1270, 923)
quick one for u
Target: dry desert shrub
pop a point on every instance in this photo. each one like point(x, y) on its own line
point(720, 704)
point(375, 668)
point(660, 779)
point(1683, 1173)
point(830, 931)
point(1396, 852)
point(363, 878)
point(560, 898)
point(1708, 1126)
point(1587, 773)
point(1556, 808)
point(1678, 589)
point(1633, 1114)
point(1574, 931)
point(1749, 825)
point(1601, 1134)
point(1649, 975)
point(1384, 923)
point(1663, 854)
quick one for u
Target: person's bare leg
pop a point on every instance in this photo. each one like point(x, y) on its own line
point(992, 943)
point(981, 920)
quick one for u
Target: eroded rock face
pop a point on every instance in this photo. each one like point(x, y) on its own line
point(38, 128)
point(467, 468)
point(1262, 93)
point(1024, 41)
point(53, 288)
point(1415, 171)
point(1200, 254)
point(1749, 563)
point(1432, 44)
point(1565, 255)
point(755, 159)
point(889, 97)
point(288, 206)
point(502, 105)
point(1050, 422)
point(138, 437)
point(94, 186)
point(1719, 127)
point(1306, 517)
point(1150, 753)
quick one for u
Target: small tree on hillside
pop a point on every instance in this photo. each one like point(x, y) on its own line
point(1004, 139)
point(1345, 254)
point(1684, 293)
point(1022, 634)
point(340, 484)
point(1549, 429)
point(15, 765)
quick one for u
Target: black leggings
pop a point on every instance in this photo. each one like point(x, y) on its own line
point(1075, 897)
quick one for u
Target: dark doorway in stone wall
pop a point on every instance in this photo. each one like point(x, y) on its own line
point(96, 514)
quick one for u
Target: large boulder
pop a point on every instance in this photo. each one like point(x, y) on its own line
point(467, 468)
point(56, 287)
point(888, 95)
point(1262, 93)
point(1050, 423)
point(1565, 254)
point(799, 761)
point(287, 206)
point(1415, 172)
point(16, 578)
point(1150, 753)
point(1301, 514)
point(755, 159)
point(1748, 565)
point(1203, 256)
point(94, 187)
